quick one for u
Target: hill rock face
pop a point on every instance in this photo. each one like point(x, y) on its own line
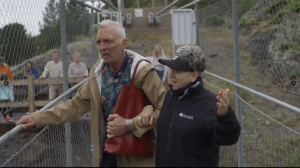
point(273, 31)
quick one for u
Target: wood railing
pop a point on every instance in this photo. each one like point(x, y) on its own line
point(31, 82)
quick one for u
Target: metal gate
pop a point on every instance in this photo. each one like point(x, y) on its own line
point(183, 27)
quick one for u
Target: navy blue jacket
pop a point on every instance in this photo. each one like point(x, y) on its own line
point(190, 131)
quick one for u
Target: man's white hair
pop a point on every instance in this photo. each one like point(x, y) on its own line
point(120, 28)
point(75, 54)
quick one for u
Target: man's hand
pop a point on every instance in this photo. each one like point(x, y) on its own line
point(41, 77)
point(145, 119)
point(116, 126)
point(27, 121)
point(85, 75)
point(25, 74)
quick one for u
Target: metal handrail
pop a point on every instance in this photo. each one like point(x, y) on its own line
point(18, 128)
point(167, 7)
point(281, 103)
point(185, 6)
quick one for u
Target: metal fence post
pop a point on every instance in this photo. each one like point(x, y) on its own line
point(197, 23)
point(92, 22)
point(63, 31)
point(120, 12)
point(237, 78)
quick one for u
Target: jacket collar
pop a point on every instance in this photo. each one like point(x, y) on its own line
point(189, 91)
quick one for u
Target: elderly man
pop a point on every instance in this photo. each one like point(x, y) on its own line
point(100, 94)
point(53, 69)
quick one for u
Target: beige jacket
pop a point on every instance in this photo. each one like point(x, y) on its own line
point(88, 98)
point(53, 70)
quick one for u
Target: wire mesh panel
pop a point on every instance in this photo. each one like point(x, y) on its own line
point(268, 42)
point(228, 154)
point(30, 34)
point(47, 148)
point(271, 137)
point(27, 35)
point(80, 23)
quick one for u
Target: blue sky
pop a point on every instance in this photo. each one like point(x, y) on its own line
point(26, 12)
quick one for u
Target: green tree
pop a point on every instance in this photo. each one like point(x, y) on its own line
point(77, 21)
point(15, 44)
point(51, 14)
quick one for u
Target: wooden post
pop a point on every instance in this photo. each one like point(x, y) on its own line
point(123, 5)
point(31, 93)
point(138, 3)
point(153, 4)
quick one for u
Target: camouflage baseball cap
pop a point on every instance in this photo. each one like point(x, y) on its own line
point(187, 58)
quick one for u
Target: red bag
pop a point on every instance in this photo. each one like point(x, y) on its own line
point(130, 103)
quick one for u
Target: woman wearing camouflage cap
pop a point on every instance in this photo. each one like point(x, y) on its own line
point(193, 121)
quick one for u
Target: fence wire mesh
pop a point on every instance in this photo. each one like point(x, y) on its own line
point(33, 35)
point(268, 42)
point(271, 137)
point(47, 148)
point(22, 39)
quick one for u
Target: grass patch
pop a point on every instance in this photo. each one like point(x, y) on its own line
point(294, 161)
point(246, 24)
point(80, 38)
point(292, 46)
point(290, 7)
point(245, 6)
point(215, 33)
point(82, 47)
point(214, 20)
point(276, 6)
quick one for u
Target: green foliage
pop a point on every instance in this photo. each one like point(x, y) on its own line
point(286, 7)
point(293, 46)
point(17, 45)
point(214, 20)
point(276, 6)
point(245, 5)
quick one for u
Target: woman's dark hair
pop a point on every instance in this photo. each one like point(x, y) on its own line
point(31, 63)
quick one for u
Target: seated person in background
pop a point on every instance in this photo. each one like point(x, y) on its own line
point(6, 95)
point(30, 70)
point(77, 69)
point(54, 70)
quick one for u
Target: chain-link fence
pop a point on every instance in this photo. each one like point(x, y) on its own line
point(28, 39)
point(270, 132)
point(48, 147)
point(268, 138)
point(34, 31)
point(268, 42)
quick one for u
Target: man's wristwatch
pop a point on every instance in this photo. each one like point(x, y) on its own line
point(129, 124)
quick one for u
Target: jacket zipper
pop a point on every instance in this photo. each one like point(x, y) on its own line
point(171, 125)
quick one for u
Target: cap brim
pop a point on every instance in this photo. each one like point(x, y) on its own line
point(170, 63)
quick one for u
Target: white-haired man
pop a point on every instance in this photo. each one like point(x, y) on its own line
point(100, 94)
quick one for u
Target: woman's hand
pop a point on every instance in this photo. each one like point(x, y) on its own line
point(223, 102)
point(145, 118)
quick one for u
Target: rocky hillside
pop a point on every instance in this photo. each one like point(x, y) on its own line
point(272, 29)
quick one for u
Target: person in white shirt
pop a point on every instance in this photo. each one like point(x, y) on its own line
point(77, 69)
point(161, 70)
point(54, 69)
